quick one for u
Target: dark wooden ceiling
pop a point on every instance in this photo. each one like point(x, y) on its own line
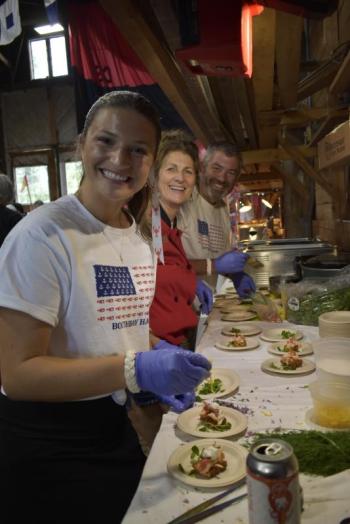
point(265, 115)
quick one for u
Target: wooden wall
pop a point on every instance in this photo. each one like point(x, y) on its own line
point(332, 215)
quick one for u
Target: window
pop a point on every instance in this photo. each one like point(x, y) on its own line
point(32, 183)
point(71, 173)
point(48, 57)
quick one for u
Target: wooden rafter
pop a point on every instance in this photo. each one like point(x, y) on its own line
point(288, 35)
point(332, 121)
point(320, 77)
point(244, 94)
point(301, 116)
point(294, 183)
point(275, 155)
point(158, 61)
point(302, 162)
point(341, 80)
point(227, 106)
point(264, 38)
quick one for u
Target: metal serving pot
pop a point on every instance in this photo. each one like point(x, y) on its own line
point(323, 266)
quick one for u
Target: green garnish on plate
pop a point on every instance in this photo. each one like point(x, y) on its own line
point(208, 426)
point(287, 334)
point(210, 386)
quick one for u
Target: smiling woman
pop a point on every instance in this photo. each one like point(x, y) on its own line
point(74, 333)
point(172, 316)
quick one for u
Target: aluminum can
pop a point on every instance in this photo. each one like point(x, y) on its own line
point(273, 486)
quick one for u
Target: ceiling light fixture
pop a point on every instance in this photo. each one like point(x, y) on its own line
point(48, 29)
point(245, 208)
point(266, 203)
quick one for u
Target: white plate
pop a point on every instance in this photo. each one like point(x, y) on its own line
point(247, 330)
point(274, 334)
point(238, 316)
point(189, 421)
point(309, 419)
point(252, 343)
point(230, 382)
point(304, 349)
point(306, 367)
point(235, 456)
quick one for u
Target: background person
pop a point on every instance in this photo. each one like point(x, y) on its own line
point(8, 217)
point(205, 219)
point(172, 315)
point(74, 330)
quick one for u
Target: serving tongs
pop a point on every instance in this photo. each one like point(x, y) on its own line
point(203, 510)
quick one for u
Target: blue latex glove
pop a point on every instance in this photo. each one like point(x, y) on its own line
point(179, 403)
point(244, 284)
point(230, 262)
point(205, 296)
point(170, 372)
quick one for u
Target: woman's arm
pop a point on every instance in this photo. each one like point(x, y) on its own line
point(29, 373)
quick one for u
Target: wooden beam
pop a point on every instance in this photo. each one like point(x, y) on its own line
point(275, 155)
point(300, 117)
point(158, 61)
point(244, 94)
point(341, 80)
point(291, 180)
point(321, 77)
point(288, 37)
point(327, 126)
point(302, 162)
point(264, 38)
point(227, 107)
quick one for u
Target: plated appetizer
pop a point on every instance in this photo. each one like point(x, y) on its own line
point(221, 382)
point(209, 420)
point(291, 361)
point(207, 462)
point(290, 364)
point(280, 334)
point(212, 419)
point(291, 345)
point(301, 348)
point(238, 341)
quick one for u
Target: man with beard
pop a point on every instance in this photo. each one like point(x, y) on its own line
point(205, 220)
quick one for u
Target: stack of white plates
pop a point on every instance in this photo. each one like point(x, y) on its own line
point(334, 324)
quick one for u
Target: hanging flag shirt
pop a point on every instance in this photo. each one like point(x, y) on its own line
point(205, 228)
point(93, 283)
point(10, 22)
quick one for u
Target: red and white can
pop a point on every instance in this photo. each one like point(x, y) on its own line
point(273, 486)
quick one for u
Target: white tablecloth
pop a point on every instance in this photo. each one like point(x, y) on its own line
point(270, 401)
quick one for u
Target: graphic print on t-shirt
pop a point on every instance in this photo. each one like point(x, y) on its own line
point(123, 294)
point(210, 236)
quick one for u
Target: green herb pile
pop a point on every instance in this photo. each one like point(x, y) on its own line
point(235, 330)
point(311, 306)
point(318, 453)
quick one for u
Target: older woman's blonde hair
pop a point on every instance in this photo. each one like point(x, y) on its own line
point(176, 140)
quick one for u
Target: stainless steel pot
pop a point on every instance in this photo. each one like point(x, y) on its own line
point(323, 266)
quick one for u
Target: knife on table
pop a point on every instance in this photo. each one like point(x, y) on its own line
point(194, 512)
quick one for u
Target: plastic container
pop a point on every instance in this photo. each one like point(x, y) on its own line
point(334, 324)
point(331, 404)
point(332, 357)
